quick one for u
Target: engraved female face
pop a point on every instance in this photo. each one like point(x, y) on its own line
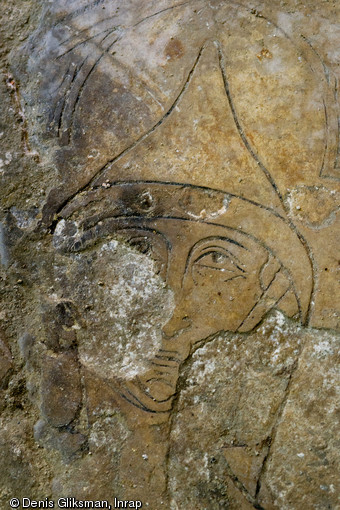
point(222, 278)
point(214, 272)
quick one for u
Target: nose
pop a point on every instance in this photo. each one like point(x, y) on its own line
point(180, 320)
point(178, 323)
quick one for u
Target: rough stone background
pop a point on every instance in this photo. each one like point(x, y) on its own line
point(255, 419)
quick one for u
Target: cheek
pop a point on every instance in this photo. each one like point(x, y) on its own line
point(215, 297)
point(242, 290)
point(211, 284)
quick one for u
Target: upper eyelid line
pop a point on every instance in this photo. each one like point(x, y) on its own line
point(213, 251)
point(221, 248)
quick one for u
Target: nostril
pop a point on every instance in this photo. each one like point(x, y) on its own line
point(175, 326)
point(186, 321)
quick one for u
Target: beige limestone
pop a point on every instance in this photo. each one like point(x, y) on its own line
point(169, 245)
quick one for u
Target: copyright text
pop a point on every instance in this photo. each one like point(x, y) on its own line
point(70, 503)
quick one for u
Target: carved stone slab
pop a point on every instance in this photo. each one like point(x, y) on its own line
point(183, 262)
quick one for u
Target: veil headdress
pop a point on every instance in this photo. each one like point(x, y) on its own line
point(184, 105)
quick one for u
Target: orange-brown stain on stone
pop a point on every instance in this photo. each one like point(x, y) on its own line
point(174, 49)
point(264, 53)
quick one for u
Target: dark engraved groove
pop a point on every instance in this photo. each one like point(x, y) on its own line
point(61, 105)
point(239, 485)
point(87, 40)
point(66, 115)
point(81, 88)
point(160, 364)
point(105, 20)
point(325, 68)
point(106, 51)
point(83, 31)
point(329, 115)
point(138, 404)
point(239, 127)
point(66, 76)
point(148, 395)
point(110, 33)
point(245, 141)
point(285, 220)
point(326, 141)
point(168, 358)
point(58, 110)
point(261, 296)
point(181, 185)
point(161, 12)
point(178, 5)
point(66, 95)
point(167, 217)
point(135, 401)
point(272, 306)
point(159, 379)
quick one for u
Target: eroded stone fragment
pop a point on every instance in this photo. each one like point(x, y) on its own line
point(305, 451)
point(60, 389)
point(5, 364)
point(69, 443)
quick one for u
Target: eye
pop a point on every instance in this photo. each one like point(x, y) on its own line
point(219, 260)
point(140, 243)
point(150, 243)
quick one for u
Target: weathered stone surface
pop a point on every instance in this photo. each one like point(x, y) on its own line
point(5, 364)
point(307, 435)
point(169, 251)
point(60, 388)
point(68, 443)
point(243, 419)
